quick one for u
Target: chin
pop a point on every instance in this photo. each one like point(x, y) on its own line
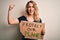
point(31, 14)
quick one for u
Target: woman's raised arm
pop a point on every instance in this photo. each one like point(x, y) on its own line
point(10, 19)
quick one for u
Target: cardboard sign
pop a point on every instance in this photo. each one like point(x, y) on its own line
point(31, 30)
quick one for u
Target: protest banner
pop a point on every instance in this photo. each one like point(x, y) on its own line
point(31, 30)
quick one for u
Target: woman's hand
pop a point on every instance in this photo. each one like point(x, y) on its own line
point(11, 6)
point(43, 31)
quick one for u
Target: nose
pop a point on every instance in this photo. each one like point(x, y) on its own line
point(30, 8)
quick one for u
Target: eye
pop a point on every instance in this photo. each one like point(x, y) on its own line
point(29, 6)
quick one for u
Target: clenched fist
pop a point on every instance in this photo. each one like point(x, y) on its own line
point(11, 6)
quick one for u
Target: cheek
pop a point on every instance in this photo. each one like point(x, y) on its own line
point(28, 9)
point(33, 9)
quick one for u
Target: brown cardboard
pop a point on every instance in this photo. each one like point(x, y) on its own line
point(31, 30)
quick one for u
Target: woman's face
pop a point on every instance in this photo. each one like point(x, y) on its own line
point(31, 9)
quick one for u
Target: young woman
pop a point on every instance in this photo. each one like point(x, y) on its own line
point(31, 15)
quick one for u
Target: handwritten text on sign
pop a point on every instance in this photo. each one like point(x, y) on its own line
point(31, 29)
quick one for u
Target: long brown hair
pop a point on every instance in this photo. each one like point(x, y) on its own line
point(35, 15)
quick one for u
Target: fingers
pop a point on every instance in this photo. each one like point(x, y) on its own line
point(11, 6)
point(43, 32)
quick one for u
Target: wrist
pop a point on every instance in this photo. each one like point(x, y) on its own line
point(9, 11)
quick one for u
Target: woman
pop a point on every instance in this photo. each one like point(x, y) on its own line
point(31, 15)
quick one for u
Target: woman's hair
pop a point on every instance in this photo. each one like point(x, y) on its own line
point(35, 15)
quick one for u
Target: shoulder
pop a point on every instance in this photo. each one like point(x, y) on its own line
point(22, 18)
point(39, 20)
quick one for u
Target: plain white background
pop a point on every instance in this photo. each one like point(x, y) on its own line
point(49, 11)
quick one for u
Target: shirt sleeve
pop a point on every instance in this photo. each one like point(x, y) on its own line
point(40, 21)
point(22, 18)
point(19, 19)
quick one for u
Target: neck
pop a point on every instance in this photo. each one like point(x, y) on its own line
point(30, 15)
